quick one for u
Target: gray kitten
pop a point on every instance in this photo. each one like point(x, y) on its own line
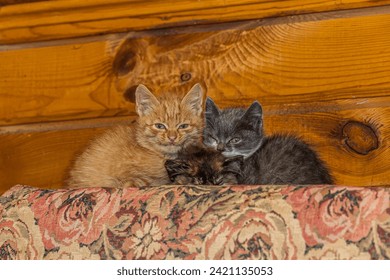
point(279, 159)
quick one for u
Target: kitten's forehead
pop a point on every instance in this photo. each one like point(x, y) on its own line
point(170, 107)
point(227, 120)
point(171, 111)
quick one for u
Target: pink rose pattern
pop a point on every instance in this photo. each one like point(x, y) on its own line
point(68, 216)
point(330, 214)
point(196, 222)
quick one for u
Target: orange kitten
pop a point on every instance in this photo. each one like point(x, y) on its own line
point(134, 155)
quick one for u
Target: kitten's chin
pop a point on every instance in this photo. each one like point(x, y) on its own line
point(169, 149)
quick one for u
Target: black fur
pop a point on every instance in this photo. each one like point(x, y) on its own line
point(203, 166)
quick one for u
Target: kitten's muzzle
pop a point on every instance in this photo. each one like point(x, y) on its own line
point(172, 138)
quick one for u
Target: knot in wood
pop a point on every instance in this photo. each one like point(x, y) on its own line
point(360, 137)
point(185, 77)
point(125, 60)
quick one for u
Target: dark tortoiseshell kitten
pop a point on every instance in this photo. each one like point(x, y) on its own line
point(203, 166)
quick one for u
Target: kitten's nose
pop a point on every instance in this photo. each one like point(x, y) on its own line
point(172, 138)
point(220, 147)
point(172, 135)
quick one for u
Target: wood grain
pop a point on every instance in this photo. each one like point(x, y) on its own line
point(50, 20)
point(40, 155)
point(306, 59)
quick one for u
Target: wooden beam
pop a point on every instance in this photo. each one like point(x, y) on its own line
point(48, 20)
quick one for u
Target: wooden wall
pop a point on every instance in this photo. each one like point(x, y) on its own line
point(320, 69)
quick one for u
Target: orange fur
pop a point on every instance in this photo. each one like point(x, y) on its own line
point(134, 155)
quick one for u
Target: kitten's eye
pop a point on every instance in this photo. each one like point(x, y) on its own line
point(159, 126)
point(235, 140)
point(183, 126)
point(212, 139)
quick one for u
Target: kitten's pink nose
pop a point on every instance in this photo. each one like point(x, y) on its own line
point(172, 138)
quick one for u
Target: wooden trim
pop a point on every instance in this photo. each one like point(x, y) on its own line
point(50, 20)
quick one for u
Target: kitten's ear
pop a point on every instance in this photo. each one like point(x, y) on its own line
point(194, 100)
point(254, 114)
point(176, 167)
point(145, 101)
point(211, 108)
point(233, 164)
point(255, 110)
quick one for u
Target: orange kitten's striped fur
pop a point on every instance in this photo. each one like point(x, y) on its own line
point(134, 155)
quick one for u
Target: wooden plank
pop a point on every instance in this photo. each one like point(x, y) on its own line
point(50, 20)
point(304, 59)
point(352, 136)
point(40, 155)
point(39, 92)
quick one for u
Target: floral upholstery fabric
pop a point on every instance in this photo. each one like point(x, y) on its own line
point(196, 222)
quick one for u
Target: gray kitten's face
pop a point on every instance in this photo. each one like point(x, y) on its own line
point(234, 131)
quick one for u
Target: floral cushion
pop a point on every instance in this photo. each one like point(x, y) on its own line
point(196, 222)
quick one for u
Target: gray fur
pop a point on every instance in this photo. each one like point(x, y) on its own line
point(278, 159)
